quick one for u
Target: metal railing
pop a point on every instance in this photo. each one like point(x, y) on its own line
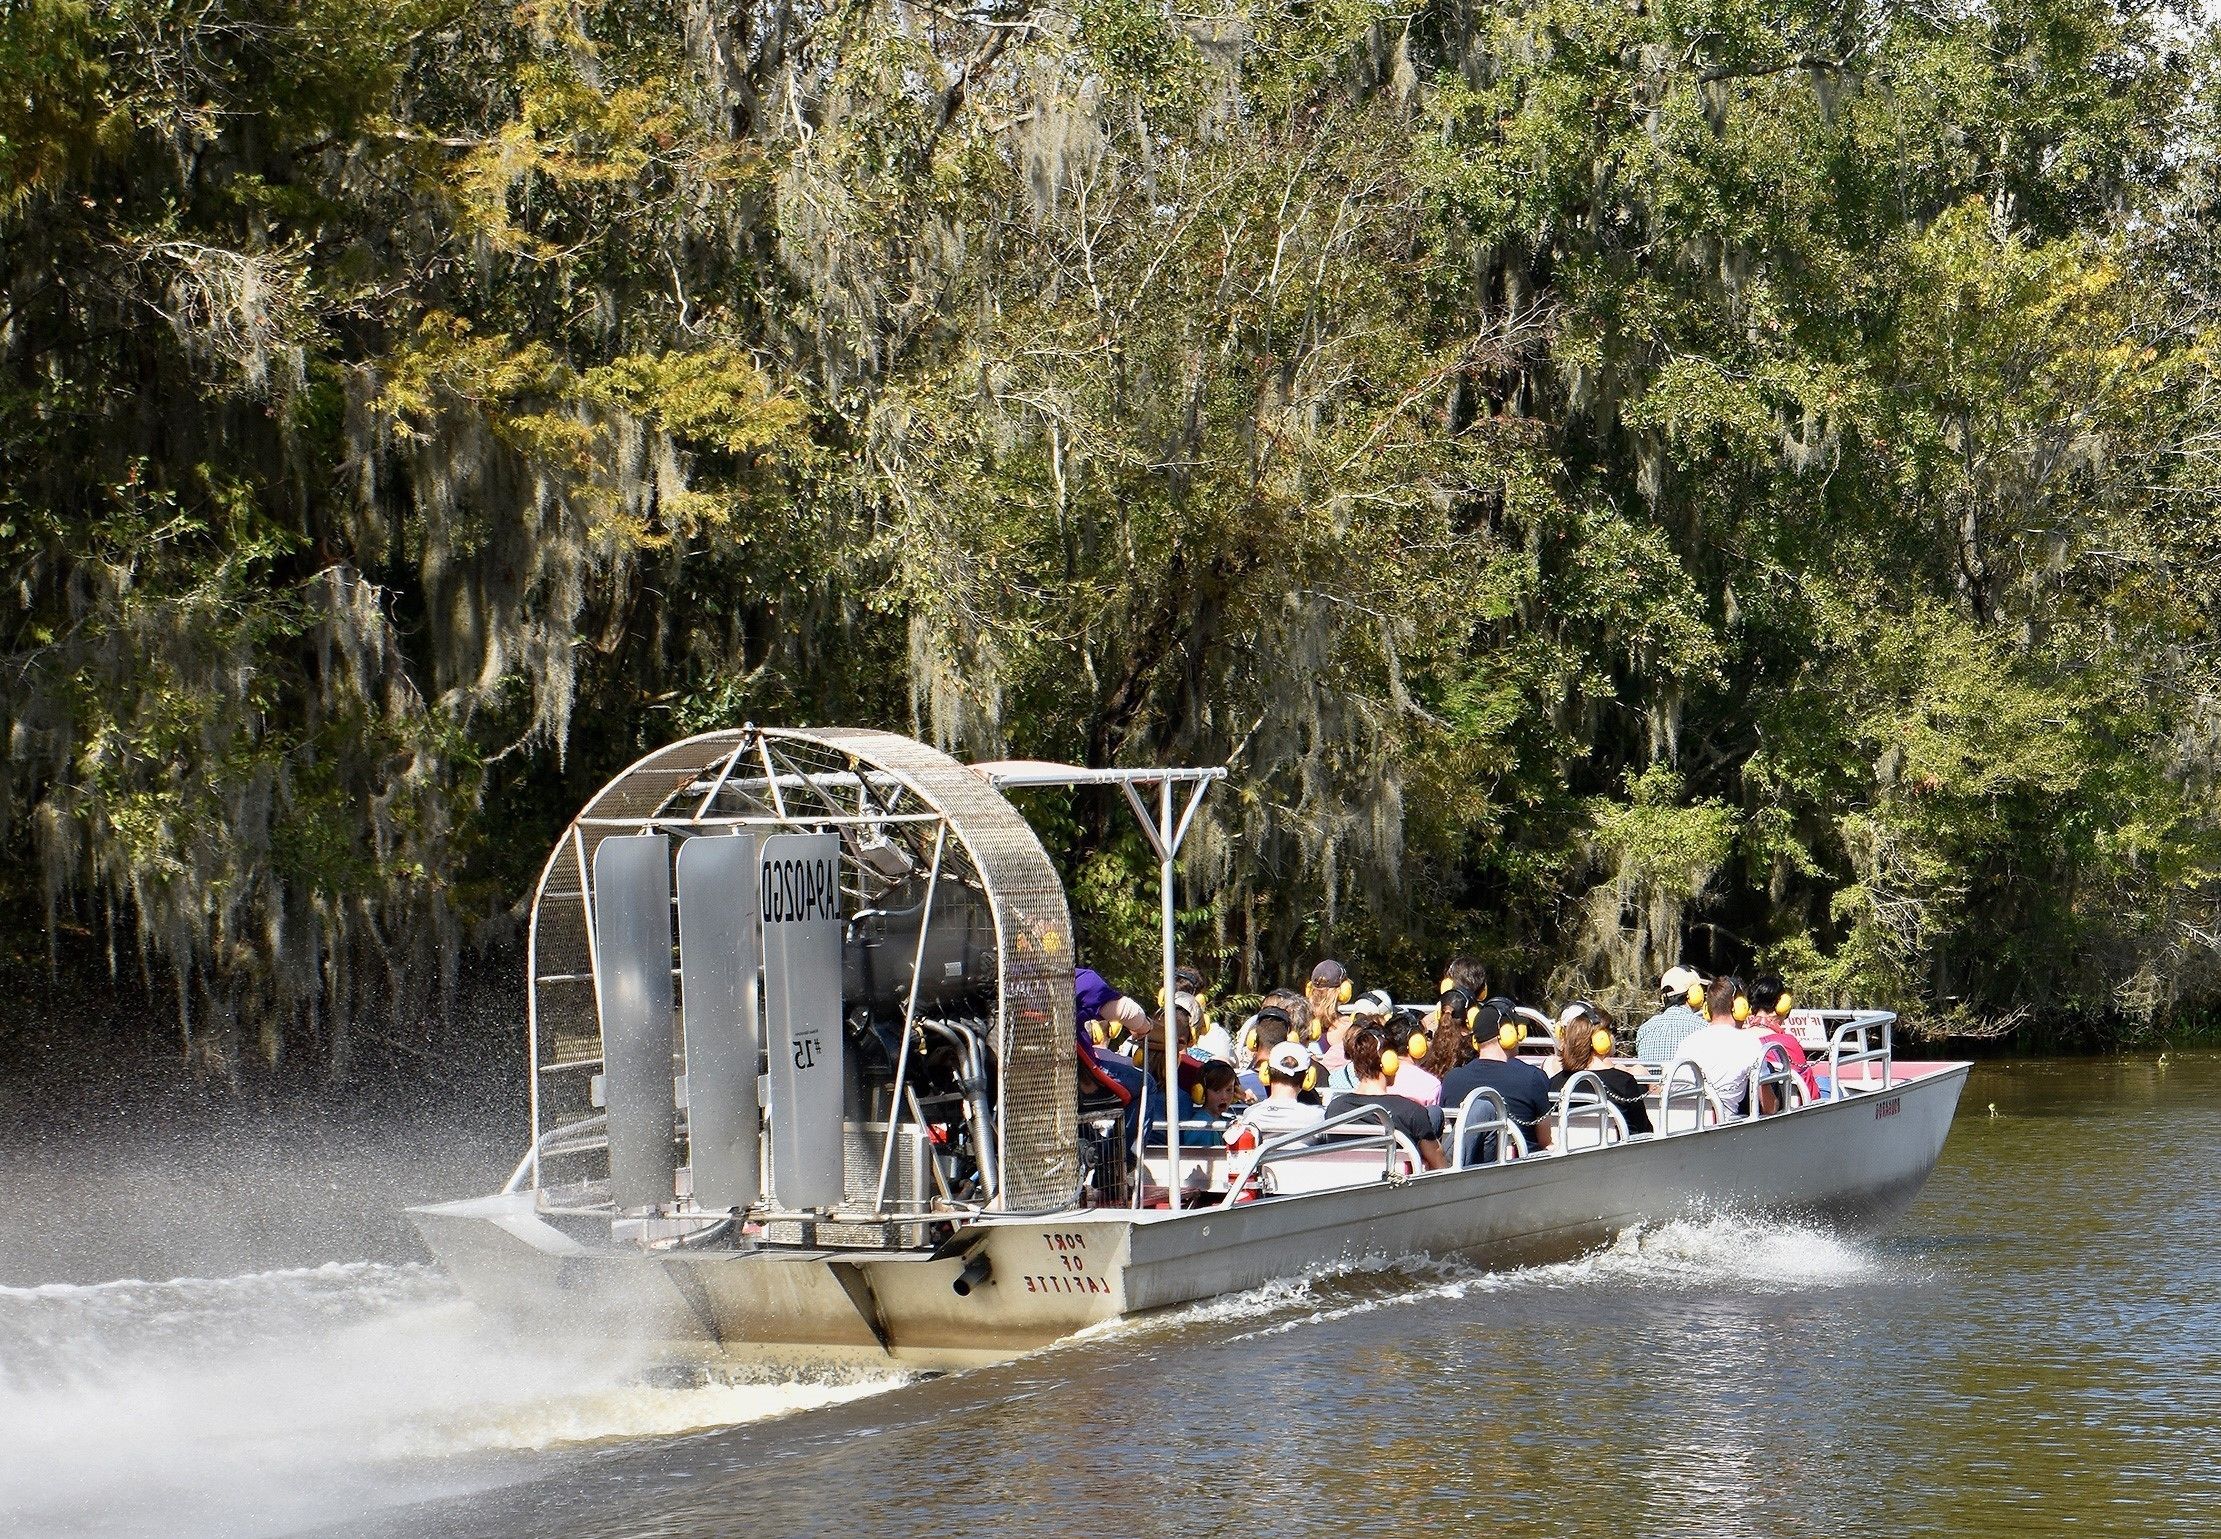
point(573, 1138)
point(1576, 1101)
point(1499, 1122)
point(1699, 1086)
point(1863, 1026)
point(1775, 1072)
point(1323, 1137)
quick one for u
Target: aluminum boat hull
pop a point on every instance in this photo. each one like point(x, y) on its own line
point(1852, 1164)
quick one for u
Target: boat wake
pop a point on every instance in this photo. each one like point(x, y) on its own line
point(1749, 1255)
point(265, 1403)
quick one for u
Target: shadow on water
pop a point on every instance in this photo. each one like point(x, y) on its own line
point(2030, 1349)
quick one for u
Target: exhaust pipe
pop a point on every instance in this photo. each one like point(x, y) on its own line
point(975, 1273)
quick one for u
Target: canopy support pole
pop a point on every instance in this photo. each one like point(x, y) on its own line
point(1165, 838)
point(909, 1021)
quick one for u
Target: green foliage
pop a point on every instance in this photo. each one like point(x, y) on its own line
point(1613, 482)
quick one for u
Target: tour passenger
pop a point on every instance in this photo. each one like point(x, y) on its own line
point(1585, 1043)
point(1413, 1078)
point(1288, 1066)
point(1450, 1038)
point(1682, 992)
point(1408, 1079)
point(1366, 1046)
point(1292, 1004)
point(1371, 1008)
point(1769, 998)
point(1203, 1037)
point(1524, 1088)
point(1327, 991)
point(1460, 972)
point(1273, 1023)
point(1723, 1049)
point(1217, 1092)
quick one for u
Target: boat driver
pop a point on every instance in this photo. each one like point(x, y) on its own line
point(1094, 1004)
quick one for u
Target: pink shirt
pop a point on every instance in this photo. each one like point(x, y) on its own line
point(1795, 1052)
point(1416, 1084)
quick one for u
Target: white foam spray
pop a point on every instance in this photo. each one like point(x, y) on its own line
point(261, 1404)
point(1751, 1255)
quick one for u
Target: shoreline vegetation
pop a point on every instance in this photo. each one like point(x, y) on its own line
point(1618, 483)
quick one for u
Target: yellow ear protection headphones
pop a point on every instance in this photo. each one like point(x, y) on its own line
point(1418, 1044)
point(1511, 1029)
point(1185, 978)
point(1785, 1004)
point(1389, 1061)
point(1600, 1040)
point(1695, 997)
point(1347, 992)
point(1742, 1004)
point(1454, 997)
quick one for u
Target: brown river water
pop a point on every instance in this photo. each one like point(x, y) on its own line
point(2035, 1348)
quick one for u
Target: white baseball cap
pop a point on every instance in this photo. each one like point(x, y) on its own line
point(1680, 980)
point(1376, 1002)
point(1289, 1058)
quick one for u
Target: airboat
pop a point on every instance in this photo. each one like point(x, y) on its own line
point(804, 1088)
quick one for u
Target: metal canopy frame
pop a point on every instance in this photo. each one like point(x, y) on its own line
point(768, 778)
point(1166, 834)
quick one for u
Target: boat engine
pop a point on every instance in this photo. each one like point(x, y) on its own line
point(809, 980)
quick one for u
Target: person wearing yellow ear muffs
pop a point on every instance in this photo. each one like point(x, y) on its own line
point(1290, 1072)
point(1328, 989)
point(1681, 1011)
point(1497, 1032)
point(1770, 1004)
point(1212, 1096)
point(1722, 1048)
point(1284, 1015)
point(1586, 1037)
point(1369, 1048)
point(1405, 1074)
point(1196, 1032)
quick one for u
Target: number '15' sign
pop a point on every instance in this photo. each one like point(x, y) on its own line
point(799, 896)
